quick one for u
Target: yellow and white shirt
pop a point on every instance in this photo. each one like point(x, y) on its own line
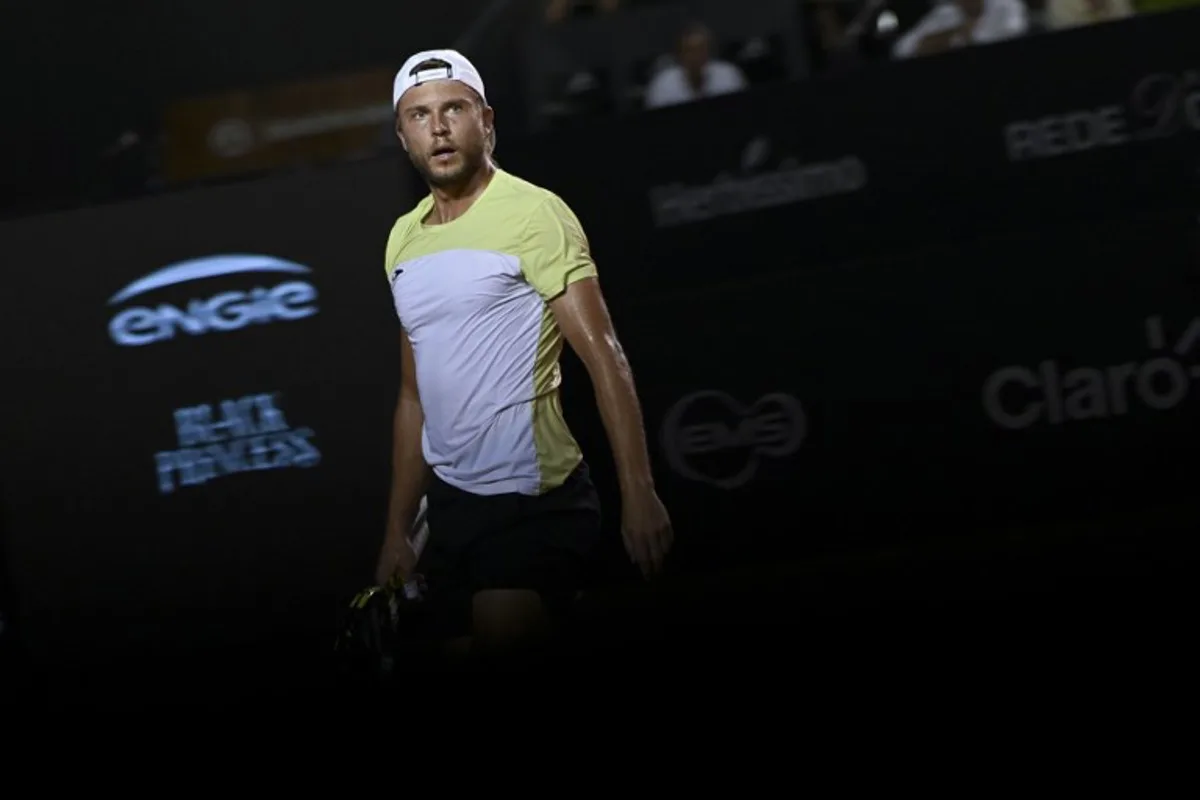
point(472, 296)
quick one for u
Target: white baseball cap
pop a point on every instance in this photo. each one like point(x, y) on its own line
point(454, 66)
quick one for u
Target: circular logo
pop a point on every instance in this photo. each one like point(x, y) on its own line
point(710, 437)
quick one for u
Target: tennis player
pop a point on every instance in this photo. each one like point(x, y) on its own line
point(489, 275)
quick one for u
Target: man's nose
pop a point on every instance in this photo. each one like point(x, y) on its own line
point(439, 124)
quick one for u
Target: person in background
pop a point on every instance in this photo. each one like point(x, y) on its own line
point(957, 23)
point(1063, 14)
point(561, 10)
point(828, 21)
point(695, 74)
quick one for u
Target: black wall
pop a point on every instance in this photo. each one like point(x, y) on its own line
point(870, 258)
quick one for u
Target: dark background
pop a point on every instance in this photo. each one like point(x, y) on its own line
point(78, 76)
point(882, 312)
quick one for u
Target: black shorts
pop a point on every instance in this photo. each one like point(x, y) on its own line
point(548, 543)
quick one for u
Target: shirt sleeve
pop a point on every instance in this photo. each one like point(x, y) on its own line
point(555, 252)
point(391, 250)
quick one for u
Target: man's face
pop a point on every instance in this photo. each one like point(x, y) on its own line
point(444, 128)
point(693, 51)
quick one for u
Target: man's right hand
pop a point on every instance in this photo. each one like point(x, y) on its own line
point(397, 559)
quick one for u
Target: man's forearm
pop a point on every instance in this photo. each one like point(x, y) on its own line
point(621, 413)
point(410, 474)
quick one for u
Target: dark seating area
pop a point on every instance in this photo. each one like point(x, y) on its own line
point(600, 64)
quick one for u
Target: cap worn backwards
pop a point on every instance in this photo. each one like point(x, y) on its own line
point(436, 65)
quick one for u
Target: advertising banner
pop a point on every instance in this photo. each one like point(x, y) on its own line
point(309, 122)
point(198, 409)
point(857, 311)
point(1013, 379)
point(978, 142)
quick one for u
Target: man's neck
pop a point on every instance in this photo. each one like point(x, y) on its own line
point(451, 202)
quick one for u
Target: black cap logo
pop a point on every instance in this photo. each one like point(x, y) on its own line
point(433, 69)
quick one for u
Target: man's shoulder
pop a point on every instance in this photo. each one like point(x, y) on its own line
point(669, 77)
point(725, 68)
point(521, 191)
point(670, 74)
point(726, 75)
point(536, 207)
point(403, 229)
point(412, 218)
point(667, 88)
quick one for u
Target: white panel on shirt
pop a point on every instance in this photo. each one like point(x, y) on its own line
point(474, 324)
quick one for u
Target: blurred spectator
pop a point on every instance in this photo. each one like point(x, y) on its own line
point(957, 23)
point(694, 74)
point(828, 23)
point(559, 10)
point(1062, 14)
point(567, 75)
point(845, 33)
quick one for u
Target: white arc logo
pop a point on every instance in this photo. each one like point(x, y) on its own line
point(227, 311)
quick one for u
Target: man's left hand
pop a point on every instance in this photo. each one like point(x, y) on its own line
point(646, 529)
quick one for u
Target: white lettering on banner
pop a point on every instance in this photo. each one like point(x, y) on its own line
point(1073, 132)
point(242, 435)
point(226, 311)
point(1160, 106)
point(773, 427)
point(1019, 397)
point(791, 182)
point(1169, 103)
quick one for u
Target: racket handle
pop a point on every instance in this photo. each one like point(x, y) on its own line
point(420, 528)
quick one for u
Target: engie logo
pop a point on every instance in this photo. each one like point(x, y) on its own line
point(226, 311)
point(1019, 397)
point(712, 438)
